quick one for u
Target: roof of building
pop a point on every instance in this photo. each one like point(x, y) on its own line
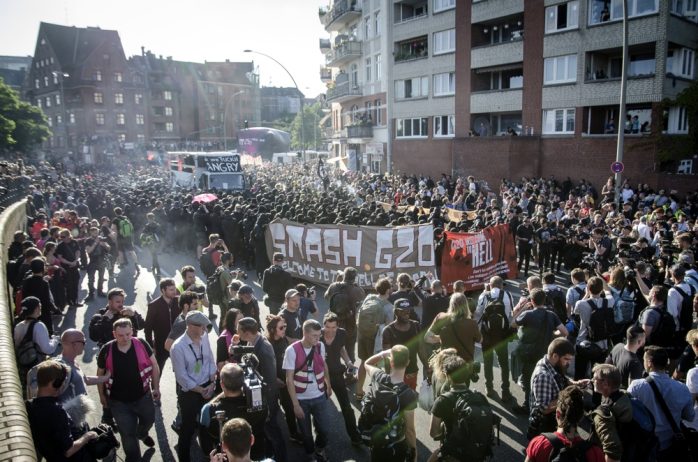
point(73, 45)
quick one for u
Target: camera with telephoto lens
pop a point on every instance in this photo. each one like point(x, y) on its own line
point(253, 386)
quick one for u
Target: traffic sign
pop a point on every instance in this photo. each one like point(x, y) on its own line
point(617, 167)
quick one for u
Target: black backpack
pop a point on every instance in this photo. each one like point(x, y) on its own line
point(472, 435)
point(663, 333)
point(214, 291)
point(28, 355)
point(340, 303)
point(602, 322)
point(556, 301)
point(206, 263)
point(563, 453)
point(686, 310)
point(494, 323)
point(380, 422)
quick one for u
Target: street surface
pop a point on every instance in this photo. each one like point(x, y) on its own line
point(139, 292)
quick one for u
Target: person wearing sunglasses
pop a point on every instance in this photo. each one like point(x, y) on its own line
point(73, 345)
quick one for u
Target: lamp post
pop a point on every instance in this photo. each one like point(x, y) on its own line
point(297, 89)
point(225, 117)
point(621, 110)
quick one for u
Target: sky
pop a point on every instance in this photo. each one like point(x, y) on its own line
point(198, 31)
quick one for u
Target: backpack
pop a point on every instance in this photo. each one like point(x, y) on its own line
point(380, 423)
point(637, 436)
point(663, 333)
point(686, 309)
point(214, 291)
point(555, 299)
point(471, 436)
point(494, 323)
point(125, 227)
point(623, 306)
point(563, 453)
point(370, 316)
point(601, 322)
point(28, 354)
point(206, 263)
point(340, 303)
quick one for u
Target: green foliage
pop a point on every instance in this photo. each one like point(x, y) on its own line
point(312, 133)
point(22, 126)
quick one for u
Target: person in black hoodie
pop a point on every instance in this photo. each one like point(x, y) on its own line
point(37, 286)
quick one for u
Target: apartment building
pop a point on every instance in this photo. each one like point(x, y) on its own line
point(13, 71)
point(549, 71)
point(355, 72)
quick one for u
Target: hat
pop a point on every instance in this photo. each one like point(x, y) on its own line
point(248, 324)
point(198, 319)
point(245, 289)
point(291, 293)
point(403, 304)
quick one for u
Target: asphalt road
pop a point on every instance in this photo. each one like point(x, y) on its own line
point(139, 290)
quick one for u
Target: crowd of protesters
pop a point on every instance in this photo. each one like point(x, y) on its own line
point(625, 324)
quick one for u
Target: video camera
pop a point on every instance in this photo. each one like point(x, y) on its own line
point(253, 387)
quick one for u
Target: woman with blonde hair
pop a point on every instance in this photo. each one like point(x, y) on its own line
point(439, 379)
point(455, 328)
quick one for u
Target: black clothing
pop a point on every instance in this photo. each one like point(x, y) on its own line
point(294, 328)
point(392, 336)
point(127, 385)
point(158, 322)
point(101, 327)
point(432, 305)
point(36, 286)
point(627, 362)
point(50, 426)
point(333, 357)
point(275, 282)
point(249, 310)
point(235, 407)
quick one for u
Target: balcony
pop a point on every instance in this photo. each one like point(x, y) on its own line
point(325, 74)
point(360, 131)
point(497, 55)
point(408, 50)
point(325, 45)
point(344, 53)
point(340, 15)
point(343, 92)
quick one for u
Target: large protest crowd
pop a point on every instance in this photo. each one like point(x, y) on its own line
point(602, 340)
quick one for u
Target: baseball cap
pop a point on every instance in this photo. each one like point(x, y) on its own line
point(403, 304)
point(291, 293)
point(198, 319)
point(245, 289)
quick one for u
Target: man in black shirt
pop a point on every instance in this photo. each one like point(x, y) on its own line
point(68, 253)
point(97, 249)
point(37, 286)
point(524, 239)
point(291, 314)
point(625, 358)
point(134, 373)
point(102, 323)
point(275, 282)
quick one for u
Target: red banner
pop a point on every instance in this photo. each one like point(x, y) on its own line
point(475, 257)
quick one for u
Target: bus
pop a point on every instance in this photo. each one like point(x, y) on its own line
point(206, 170)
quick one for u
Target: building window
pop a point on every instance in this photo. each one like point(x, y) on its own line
point(97, 76)
point(140, 138)
point(169, 127)
point(367, 27)
point(678, 120)
point(49, 120)
point(368, 69)
point(444, 125)
point(561, 69)
point(138, 97)
point(39, 104)
point(48, 101)
point(445, 84)
point(36, 83)
point(687, 9)
point(167, 95)
point(71, 117)
point(445, 41)
point(368, 112)
point(45, 81)
point(443, 5)
point(140, 119)
point(411, 128)
point(558, 121)
point(99, 98)
point(562, 17)
point(377, 64)
point(58, 99)
point(59, 119)
point(168, 111)
point(377, 23)
point(379, 114)
point(118, 77)
point(55, 78)
point(99, 118)
point(412, 49)
point(120, 119)
point(601, 11)
point(354, 74)
point(681, 62)
point(118, 98)
point(417, 87)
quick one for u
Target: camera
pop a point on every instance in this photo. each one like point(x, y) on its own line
point(311, 291)
point(475, 374)
point(253, 386)
point(239, 274)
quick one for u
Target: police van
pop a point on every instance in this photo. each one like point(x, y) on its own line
point(206, 170)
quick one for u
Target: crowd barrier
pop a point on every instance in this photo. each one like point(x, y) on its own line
point(16, 441)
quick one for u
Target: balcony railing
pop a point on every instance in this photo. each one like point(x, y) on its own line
point(346, 51)
point(360, 131)
point(325, 45)
point(325, 74)
point(343, 91)
point(341, 13)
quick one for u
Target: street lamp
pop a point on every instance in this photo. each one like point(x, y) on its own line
point(225, 117)
point(297, 89)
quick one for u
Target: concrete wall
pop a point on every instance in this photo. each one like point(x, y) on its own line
point(16, 441)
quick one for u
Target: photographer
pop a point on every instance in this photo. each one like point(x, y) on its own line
point(101, 330)
point(238, 438)
point(233, 403)
point(406, 288)
point(601, 245)
point(345, 298)
point(308, 307)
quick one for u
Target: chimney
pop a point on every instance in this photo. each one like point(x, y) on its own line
point(142, 51)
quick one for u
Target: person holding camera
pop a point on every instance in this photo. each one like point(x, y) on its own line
point(232, 403)
point(524, 240)
point(195, 370)
point(344, 298)
point(101, 324)
point(601, 246)
point(238, 439)
point(97, 249)
point(308, 306)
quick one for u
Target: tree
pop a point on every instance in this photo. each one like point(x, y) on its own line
point(312, 135)
point(22, 126)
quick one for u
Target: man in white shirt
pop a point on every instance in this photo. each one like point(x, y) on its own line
point(675, 297)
